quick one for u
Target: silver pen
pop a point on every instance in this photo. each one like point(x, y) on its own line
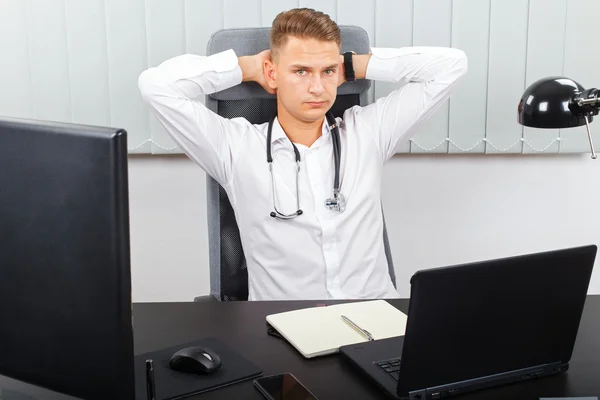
point(357, 328)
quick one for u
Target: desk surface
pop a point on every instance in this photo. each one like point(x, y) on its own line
point(241, 325)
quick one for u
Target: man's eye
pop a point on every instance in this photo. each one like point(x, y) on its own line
point(300, 72)
point(329, 71)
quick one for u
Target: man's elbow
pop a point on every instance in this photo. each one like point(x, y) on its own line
point(462, 61)
point(147, 83)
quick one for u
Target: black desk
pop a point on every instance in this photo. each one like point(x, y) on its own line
point(241, 325)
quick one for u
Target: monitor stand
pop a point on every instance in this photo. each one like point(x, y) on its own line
point(13, 389)
point(7, 394)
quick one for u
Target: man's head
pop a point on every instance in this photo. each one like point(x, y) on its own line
point(304, 65)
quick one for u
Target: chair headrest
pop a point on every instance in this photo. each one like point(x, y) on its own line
point(249, 41)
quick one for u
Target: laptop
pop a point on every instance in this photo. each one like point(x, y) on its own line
point(482, 324)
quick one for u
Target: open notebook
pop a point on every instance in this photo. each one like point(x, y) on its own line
point(318, 331)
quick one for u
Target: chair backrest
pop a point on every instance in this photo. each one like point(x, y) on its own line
point(228, 272)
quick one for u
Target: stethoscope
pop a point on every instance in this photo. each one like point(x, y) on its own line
point(335, 203)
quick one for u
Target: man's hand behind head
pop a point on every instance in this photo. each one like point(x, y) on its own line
point(253, 69)
point(341, 71)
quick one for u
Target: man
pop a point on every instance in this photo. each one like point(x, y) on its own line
point(320, 252)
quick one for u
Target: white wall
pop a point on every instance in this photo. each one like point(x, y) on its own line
point(440, 210)
point(79, 61)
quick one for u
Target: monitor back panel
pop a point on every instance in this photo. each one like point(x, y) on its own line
point(65, 287)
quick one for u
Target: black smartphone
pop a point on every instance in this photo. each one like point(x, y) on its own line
point(283, 387)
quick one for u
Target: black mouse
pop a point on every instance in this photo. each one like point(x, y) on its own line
point(195, 360)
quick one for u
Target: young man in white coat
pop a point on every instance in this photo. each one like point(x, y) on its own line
point(318, 252)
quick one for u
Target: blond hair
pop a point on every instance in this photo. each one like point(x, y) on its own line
point(303, 23)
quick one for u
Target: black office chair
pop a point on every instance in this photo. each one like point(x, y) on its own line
point(228, 272)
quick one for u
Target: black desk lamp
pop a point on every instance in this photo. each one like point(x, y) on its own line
point(559, 102)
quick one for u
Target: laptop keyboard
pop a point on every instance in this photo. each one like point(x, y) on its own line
point(391, 367)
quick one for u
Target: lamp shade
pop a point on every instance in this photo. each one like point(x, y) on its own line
point(548, 103)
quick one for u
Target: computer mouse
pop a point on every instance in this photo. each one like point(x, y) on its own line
point(195, 360)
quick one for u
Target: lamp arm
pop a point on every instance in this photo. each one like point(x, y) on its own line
point(587, 102)
point(589, 133)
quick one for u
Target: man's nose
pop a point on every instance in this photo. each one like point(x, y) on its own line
point(316, 86)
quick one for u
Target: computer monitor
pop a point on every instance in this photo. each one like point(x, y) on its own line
point(65, 286)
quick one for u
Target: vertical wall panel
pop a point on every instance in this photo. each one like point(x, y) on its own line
point(127, 58)
point(15, 96)
point(432, 29)
point(506, 80)
point(393, 28)
point(79, 61)
point(48, 60)
point(86, 43)
point(270, 9)
point(242, 13)
point(581, 65)
point(360, 14)
point(202, 19)
point(470, 32)
point(545, 57)
point(329, 7)
point(165, 33)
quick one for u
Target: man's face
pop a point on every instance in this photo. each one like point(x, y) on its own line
point(305, 74)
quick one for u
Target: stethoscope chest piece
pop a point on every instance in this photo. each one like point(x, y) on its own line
point(336, 203)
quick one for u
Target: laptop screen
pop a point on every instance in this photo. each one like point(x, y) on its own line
point(493, 317)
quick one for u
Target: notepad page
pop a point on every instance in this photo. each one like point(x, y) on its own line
point(379, 317)
point(319, 331)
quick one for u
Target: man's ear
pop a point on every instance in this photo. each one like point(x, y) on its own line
point(270, 74)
